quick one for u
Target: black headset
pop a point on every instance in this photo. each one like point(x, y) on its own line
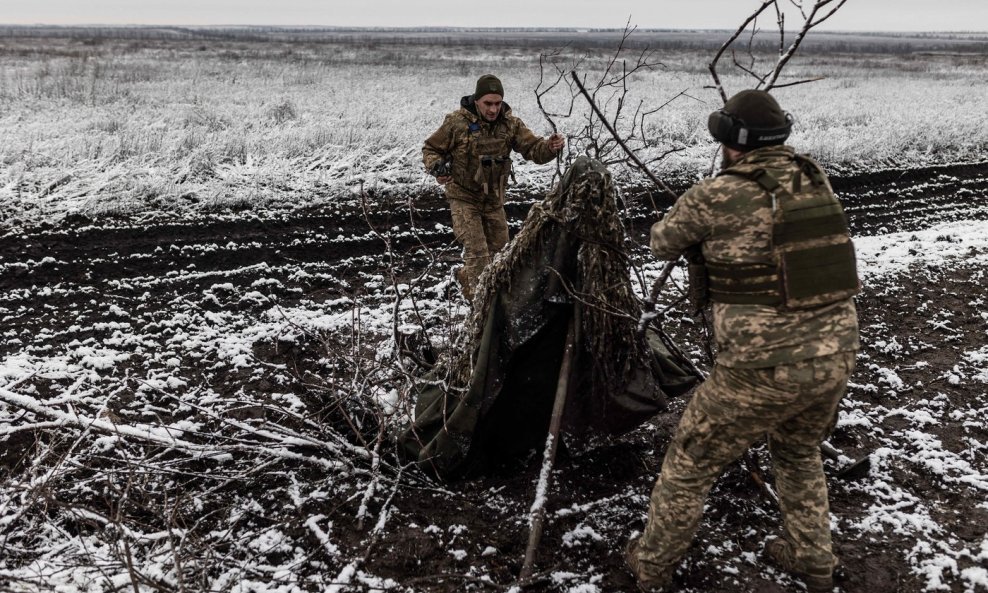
point(731, 130)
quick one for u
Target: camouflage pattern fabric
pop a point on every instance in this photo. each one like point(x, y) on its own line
point(468, 139)
point(481, 166)
point(731, 218)
point(482, 232)
point(795, 405)
point(779, 373)
point(488, 399)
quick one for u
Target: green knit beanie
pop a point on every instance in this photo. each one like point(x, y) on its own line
point(486, 85)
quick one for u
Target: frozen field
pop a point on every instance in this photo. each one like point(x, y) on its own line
point(199, 312)
point(123, 126)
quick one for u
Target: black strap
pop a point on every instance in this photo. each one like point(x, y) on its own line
point(744, 284)
point(765, 179)
point(810, 168)
point(740, 271)
point(735, 298)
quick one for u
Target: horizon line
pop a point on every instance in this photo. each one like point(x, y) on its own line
point(574, 29)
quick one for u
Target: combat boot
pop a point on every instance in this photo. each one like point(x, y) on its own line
point(649, 583)
point(780, 554)
point(466, 288)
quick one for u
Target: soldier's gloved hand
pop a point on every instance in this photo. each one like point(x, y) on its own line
point(444, 179)
point(556, 142)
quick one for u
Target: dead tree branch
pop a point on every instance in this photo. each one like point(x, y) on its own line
point(809, 22)
point(814, 15)
point(712, 66)
point(617, 138)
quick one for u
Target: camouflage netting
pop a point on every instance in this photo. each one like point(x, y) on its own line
point(584, 204)
point(489, 401)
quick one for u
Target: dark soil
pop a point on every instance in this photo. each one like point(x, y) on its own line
point(61, 282)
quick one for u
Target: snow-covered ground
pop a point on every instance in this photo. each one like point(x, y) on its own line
point(139, 430)
point(178, 126)
point(213, 409)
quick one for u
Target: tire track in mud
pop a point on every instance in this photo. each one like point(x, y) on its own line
point(897, 200)
point(913, 199)
point(335, 251)
point(140, 290)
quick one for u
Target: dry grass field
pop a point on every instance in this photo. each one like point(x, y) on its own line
point(107, 124)
point(214, 243)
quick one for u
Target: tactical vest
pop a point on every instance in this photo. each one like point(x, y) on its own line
point(814, 257)
point(493, 157)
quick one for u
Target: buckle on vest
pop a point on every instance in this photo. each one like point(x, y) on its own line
point(489, 161)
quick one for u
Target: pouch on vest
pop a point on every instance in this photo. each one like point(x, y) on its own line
point(493, 165)
point(698, 286)
point(814, 255)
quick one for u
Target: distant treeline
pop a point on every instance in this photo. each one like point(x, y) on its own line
point(659, 39)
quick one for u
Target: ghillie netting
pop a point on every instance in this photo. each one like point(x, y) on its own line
point(488, 402)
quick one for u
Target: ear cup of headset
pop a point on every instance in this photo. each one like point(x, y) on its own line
point(721, 124)
point(729, 129)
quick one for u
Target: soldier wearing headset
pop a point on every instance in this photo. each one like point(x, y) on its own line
point(780, 277)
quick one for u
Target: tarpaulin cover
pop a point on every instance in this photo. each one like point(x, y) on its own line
point(491, 400)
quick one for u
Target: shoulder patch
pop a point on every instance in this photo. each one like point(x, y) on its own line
point(474, 127)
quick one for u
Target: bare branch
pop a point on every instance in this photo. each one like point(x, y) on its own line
point(798, 82)
point(812, 16)
point(780, 18)
point(617, 138)
point(542, 89)
point(808, 24)
point(713, 64)
point(748, 69)
point(829, 14)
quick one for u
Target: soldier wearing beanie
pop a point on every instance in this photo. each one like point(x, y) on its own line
point(781, 274)
point(470, 156)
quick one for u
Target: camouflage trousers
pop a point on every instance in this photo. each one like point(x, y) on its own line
point(483, 231)
point(795, 405)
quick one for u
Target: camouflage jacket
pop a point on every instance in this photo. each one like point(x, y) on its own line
point(481, 152)
point(730, 218)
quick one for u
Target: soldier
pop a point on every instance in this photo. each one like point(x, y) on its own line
point(780, 273)
point(470, 155)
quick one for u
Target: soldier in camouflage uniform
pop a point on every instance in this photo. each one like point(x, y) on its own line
point(786, 340)
point(470, 155)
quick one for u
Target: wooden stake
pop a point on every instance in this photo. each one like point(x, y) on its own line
point(537, 514)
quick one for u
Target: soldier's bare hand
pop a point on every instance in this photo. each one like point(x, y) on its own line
point(556, 142)
point(444, 180)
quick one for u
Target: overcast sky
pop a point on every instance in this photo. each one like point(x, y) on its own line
point(872, 15)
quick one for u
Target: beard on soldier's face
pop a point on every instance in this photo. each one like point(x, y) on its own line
point(725, 159)
point(729, 156)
